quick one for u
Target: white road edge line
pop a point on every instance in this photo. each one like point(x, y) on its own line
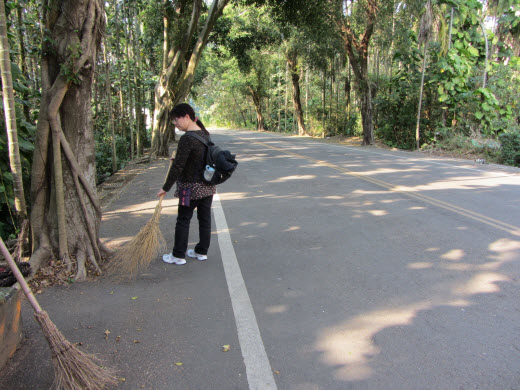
point(258, 370)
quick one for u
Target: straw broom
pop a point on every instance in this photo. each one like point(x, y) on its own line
point(136, 255)
point(73, 369)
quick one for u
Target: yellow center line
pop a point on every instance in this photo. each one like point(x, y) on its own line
point(511, 229)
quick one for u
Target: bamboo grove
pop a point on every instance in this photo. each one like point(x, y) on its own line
point(97, 79)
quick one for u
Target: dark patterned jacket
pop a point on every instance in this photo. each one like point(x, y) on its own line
point(188, 162)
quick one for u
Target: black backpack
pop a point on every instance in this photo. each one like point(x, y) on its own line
point(219, 164)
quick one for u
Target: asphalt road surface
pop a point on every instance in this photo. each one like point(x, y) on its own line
point(331, 267)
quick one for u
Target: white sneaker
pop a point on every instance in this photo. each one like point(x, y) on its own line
point(192, 253)
point(168, 258)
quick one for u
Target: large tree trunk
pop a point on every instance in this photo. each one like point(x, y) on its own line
point(130, 90)
point(65, 213)
point(173, 63)
point(348, 91)
point(324, 104)
point(122, 117)
point(357, 46)
point(286, 109)
point(110, 109)
point(257, 100)
point(292, 60)
point(365, 92)
point(140, 94)
point(178, 71)
point(419, 108)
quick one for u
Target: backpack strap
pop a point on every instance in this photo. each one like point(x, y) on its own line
point(201, 139)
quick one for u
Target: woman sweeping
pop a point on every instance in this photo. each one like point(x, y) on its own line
point(192, 192)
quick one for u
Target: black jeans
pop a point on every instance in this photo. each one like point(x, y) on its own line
point(182, 227)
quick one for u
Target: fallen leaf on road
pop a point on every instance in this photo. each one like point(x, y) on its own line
point(136, 341)
point(107, 332)
point(134, 298)
point(118, 338)
point(226, 348)
point(178, 364)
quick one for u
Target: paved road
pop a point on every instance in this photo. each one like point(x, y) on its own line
point(331, 267)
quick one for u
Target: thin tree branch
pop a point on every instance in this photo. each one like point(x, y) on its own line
point(77, 171)
point(91, 233)
point(60, 192)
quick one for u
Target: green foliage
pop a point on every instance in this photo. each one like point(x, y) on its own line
point(396, 104)
point(250, 32)
point(473, 109)
point(316, 127)
point(510, 150)
point(454, 100)
point(103, 147)
point(301, 13)
point(466, 147)
point(152, 24)
point(74, 52)
point(345, 125)
point(452, 76)
point(504, 84)
point(104, 155)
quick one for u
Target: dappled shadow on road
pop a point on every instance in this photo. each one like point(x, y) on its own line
point(126, 222)
point(358, 346)
point(397, 291)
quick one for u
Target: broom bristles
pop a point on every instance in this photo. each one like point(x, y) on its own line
point(136, 255)
point(73, 369)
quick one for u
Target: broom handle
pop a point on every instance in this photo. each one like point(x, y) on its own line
point(20, 278)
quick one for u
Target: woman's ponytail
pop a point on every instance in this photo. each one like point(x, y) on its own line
point(199, 123)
